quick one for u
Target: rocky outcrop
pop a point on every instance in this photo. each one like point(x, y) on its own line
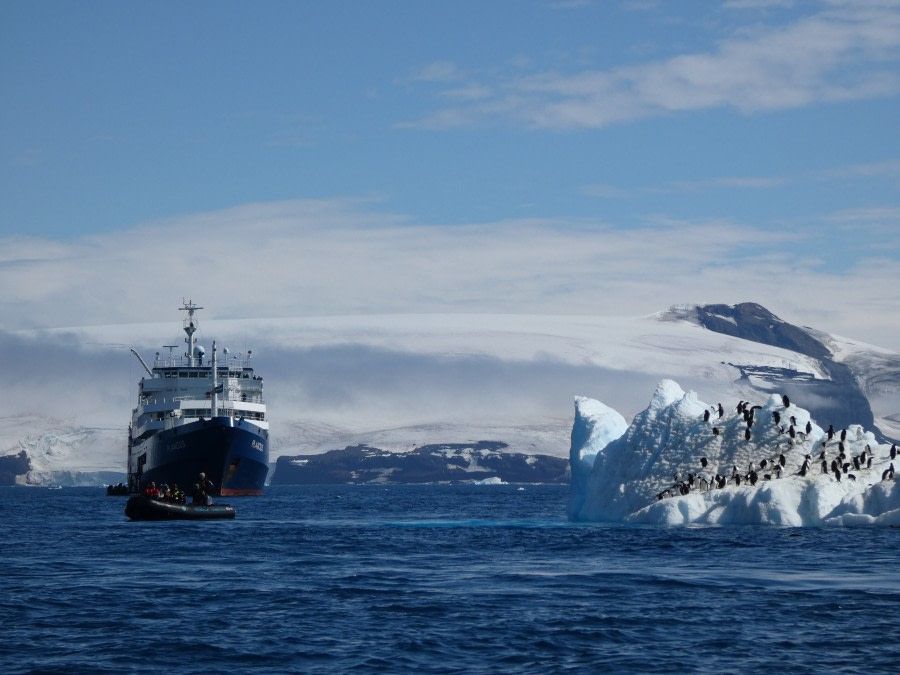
point(436, 463)
point(12, 466)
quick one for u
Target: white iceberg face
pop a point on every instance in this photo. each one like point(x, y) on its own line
point(685, 462)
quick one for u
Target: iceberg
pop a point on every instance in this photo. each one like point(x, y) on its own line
point(685, 462)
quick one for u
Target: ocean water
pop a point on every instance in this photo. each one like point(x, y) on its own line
point(434, 579)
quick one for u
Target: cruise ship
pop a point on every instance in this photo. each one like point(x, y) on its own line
point(199, 415)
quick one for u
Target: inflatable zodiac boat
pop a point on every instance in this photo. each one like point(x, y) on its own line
point(140, 507)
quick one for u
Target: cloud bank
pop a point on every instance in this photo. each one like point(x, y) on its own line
point(346, 257)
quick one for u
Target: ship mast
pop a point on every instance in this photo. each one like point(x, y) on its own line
point(190, 327)
point(215, 384)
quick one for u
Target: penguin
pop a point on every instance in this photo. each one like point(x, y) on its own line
point(869, 463)
point(740, 407)
point(822, 455)
point(856, 463)
point(793, 421)
point(778, 470)
point(843, 434)
point(824, 466)
point(786, 401)
point(782, 460)
point(703, 462)
point(808, 428)
point(721, 411)
point(715, 431)
point(837, 474)
point(763, 464)
point(776, 417)
point(894, 451)
point(834, 465)
point(804, 467)
point(706, 415)
point(791, 432)
point(851, 476)
point(747, 434)
point(753, 478)
point(830, 431)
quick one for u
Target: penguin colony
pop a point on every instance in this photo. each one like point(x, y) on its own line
point(794, 440)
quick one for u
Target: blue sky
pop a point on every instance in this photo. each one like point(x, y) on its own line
point(308, 158)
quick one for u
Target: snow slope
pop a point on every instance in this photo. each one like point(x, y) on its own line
point(394, 382)
point(639, 476)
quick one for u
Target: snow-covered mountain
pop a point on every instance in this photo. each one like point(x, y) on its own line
point(479, 462)
point(398, 382)
point(682, 461)
point(845, 375)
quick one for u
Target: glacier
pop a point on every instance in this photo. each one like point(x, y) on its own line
point(684, 462)
point(401, 381)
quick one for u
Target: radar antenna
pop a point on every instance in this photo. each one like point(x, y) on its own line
point(170, 360)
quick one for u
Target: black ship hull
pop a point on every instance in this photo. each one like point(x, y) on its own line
point(234, 455)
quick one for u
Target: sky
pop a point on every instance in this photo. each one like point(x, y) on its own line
point(578, 157)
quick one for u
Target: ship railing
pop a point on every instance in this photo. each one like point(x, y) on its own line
point(237, 396)
point(231, 362)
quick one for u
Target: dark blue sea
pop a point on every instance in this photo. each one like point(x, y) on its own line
point(433, 579)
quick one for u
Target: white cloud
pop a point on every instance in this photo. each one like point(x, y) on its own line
point(841, 53)
point(884, 169)
point(757, 4)
point(438, 71)
point(308, 258)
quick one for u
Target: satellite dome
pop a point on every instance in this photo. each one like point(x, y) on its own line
point(199, 351)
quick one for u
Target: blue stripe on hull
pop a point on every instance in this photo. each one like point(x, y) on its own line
point(235, 458)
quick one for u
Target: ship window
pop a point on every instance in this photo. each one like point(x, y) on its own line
point(182, 374)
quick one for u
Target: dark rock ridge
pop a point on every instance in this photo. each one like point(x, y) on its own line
point(838, 400)
point(12, 466)
point(750, 321)
point(436, 463)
